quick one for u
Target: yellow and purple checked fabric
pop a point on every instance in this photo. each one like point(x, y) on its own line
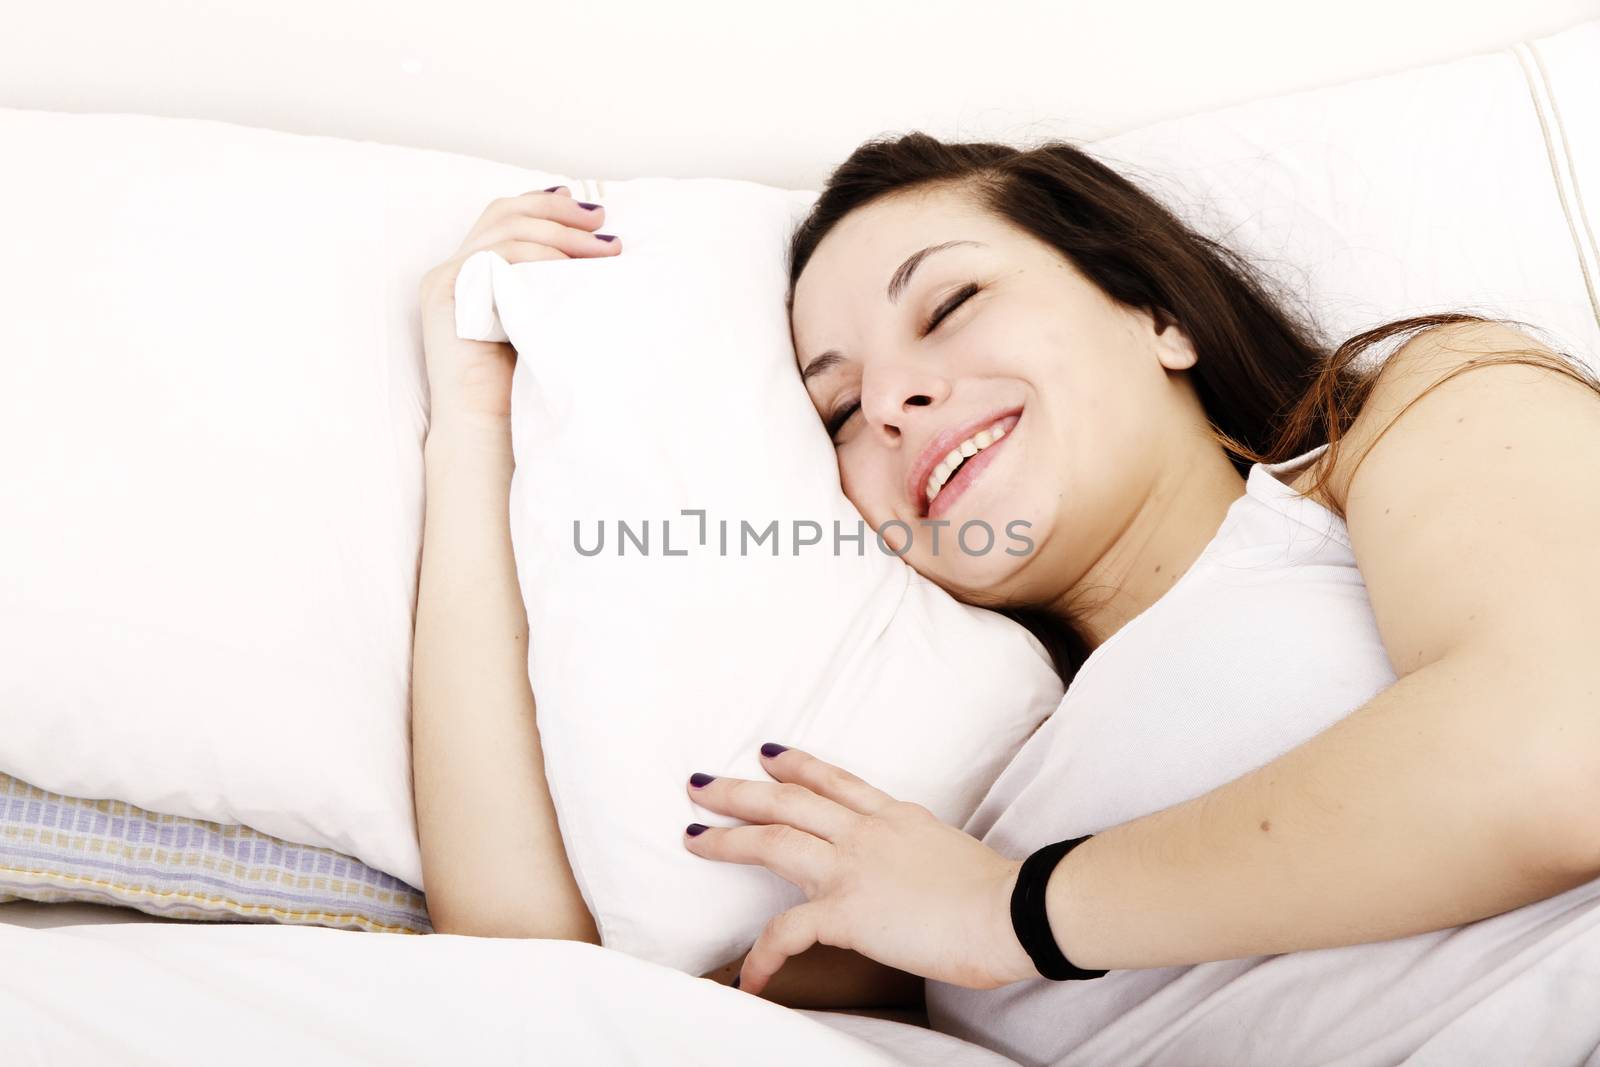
point(55, 848)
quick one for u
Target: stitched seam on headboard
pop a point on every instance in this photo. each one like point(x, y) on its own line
point(1572, 166)
point(1521, 51)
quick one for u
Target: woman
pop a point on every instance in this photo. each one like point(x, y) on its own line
point(998, 334)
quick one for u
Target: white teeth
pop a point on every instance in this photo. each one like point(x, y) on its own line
point(953, 459)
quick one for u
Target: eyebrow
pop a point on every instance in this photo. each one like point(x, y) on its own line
point(896, 288)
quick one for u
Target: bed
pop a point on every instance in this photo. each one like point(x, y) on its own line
point(93, 983)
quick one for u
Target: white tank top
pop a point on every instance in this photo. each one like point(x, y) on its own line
point(1266, 640)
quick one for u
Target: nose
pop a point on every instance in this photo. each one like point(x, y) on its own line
point(893, 394)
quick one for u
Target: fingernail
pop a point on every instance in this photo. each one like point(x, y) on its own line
point(736, 981)
point(606, 236)
point(591, 207)
point(696, 829)
point(697, 779)
point(552, 189)
point(769, 749)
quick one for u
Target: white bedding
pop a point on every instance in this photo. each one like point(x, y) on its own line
point(89, 984)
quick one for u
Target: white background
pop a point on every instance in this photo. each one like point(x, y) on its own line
point(717, 88)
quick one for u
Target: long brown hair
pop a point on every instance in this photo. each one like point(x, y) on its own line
point(1271, 390)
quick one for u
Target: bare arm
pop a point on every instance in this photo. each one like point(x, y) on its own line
point(492, 855)
point(1424, 809)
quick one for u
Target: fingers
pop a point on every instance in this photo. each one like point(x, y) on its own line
point(553, 219)
point(570, 242)
point(775, 802)
point(562, 208)
point(790, 934)
point(557, 207)
point(825, 779)
point(513, 251)
point(793, 855)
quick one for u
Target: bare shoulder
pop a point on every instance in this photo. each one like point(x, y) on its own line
point(1470, 492)
point(1456, 351)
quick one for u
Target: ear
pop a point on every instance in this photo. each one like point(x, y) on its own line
point(1173, 346)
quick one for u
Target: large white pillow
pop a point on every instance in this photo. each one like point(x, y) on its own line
point(662, 381)
point(212, 406)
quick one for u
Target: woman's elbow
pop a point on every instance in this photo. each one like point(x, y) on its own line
point(1557, 806)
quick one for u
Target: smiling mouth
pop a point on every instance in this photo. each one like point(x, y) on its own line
point(960, 467)
point(958, 456)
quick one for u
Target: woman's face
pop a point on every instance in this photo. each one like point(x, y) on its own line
point(1076, 386)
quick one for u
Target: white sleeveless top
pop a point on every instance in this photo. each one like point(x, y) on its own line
point(1266, 640)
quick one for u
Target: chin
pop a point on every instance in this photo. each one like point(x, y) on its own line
point(997, 577)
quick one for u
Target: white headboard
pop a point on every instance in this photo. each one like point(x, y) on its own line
point(719, 88)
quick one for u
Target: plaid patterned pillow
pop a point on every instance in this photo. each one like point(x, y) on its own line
point(55, 848)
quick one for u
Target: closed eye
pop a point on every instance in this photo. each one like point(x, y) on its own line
point(949, 306)
point(842, 414)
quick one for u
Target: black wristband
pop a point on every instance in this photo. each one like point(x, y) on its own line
point(1032, 923)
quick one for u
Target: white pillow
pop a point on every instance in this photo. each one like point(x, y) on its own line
point(663, 380)
point(212, 405)
point(1458, 185)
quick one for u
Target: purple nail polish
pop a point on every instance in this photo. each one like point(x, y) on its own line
point(769, 749)
point(698, 780)
point(736, 981)
point(606, 236)
point(696, 829)
point(590, 207)
point(552, 189)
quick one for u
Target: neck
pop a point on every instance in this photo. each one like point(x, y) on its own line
point(1177, 520)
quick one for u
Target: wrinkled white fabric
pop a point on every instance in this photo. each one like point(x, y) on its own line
point(85, 984)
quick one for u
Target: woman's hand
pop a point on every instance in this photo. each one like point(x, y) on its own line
point(474, 377)
point(883, 877)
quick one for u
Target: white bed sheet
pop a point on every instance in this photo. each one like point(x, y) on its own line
point(91, 984)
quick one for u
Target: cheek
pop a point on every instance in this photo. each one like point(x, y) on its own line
point(866, 484)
